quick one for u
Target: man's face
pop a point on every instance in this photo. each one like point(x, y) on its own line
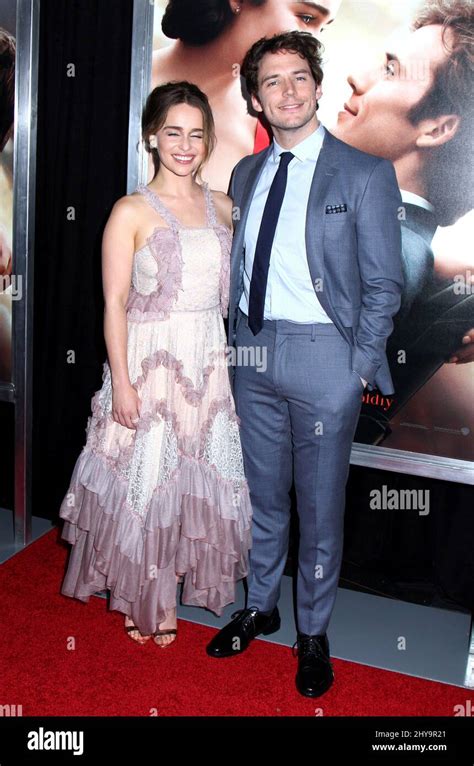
point(287, 92)
point(375, 118)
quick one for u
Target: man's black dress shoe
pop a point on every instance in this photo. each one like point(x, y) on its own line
point(315, 674)
point(235, 637)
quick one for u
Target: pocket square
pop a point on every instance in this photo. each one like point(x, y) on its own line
point(342, 208)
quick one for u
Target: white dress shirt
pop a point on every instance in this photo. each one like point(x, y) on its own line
point(290, 293)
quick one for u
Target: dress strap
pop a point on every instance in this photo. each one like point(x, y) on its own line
point(210, 207)
point(159, 206)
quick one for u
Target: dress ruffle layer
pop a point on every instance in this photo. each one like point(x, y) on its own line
point(138, 563)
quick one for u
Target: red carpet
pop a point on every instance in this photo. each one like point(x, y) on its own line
point(106, 673)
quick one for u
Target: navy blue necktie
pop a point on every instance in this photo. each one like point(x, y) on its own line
point(263, 248)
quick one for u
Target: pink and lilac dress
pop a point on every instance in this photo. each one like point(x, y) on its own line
point(171, 496)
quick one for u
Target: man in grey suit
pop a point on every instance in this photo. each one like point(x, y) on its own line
point(315, 280)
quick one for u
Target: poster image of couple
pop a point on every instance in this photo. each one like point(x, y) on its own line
point(398, 83)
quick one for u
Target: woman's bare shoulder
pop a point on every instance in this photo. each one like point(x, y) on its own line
point(130, 203)
point(126, 210)
point(223, 204)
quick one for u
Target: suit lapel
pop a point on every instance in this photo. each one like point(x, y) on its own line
point(245, 202)
point(323, 176)
point(325, 172)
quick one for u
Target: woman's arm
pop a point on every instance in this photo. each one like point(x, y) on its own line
point(223, 205)
point(117, 259)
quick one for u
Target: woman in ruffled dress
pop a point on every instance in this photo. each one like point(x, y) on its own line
point(158, 495)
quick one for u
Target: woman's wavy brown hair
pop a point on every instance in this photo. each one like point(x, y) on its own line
point(197, 22)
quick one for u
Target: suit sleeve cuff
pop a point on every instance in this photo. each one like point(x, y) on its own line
point(363, 366)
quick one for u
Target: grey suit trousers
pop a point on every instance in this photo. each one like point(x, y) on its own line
point(299, 401)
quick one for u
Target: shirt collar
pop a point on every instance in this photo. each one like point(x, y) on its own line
point(415, 199)
point(307, 149)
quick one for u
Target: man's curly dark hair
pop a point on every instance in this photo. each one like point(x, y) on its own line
point(302, 43)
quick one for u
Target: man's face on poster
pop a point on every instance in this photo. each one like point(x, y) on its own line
point(375, 117)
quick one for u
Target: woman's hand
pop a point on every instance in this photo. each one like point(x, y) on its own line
point(125, 405)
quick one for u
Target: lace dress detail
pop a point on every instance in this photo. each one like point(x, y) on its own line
point(157, 277)
point(169, 496)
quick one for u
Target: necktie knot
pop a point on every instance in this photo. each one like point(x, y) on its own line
point(285, 158)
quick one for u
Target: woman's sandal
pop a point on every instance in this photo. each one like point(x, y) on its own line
point(130, 628)
point(164, 632)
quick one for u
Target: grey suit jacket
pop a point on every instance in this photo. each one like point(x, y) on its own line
point(354, 257)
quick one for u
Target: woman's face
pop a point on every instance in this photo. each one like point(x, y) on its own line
point(276, 16)
point(180, 140)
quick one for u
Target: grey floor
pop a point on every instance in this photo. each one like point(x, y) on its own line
point(8, 548)
point(421, 641)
